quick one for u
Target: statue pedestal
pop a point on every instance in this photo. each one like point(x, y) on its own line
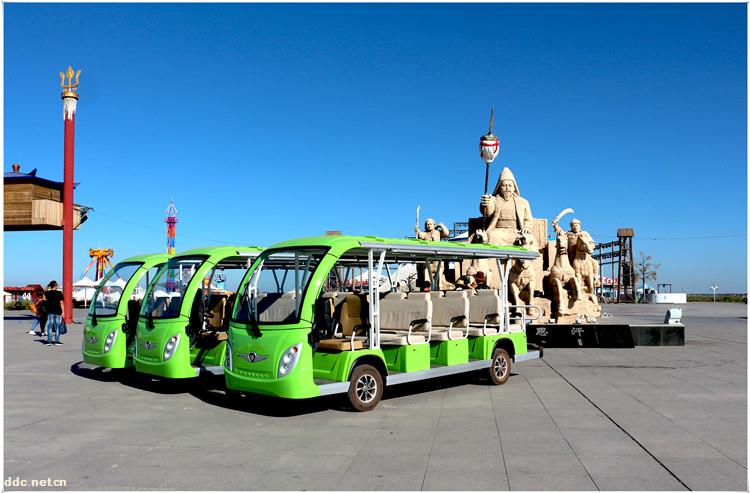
point(605, 335)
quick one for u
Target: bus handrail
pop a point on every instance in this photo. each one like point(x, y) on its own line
point(524, 318)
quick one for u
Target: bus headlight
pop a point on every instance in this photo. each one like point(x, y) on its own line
point(289, 360)
point(228, 357)
point(110, 340)
point(171, 346)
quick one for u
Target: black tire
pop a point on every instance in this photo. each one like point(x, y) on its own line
point(499, 370)
point(365, 388)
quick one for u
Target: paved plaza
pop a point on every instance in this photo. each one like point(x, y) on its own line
point(649, 418)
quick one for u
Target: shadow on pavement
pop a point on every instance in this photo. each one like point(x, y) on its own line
point(268, 406)
point(210, 389)
point(439, 383)
point(131, 378)
point(19, 317)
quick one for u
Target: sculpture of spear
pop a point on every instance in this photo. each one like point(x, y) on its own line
point(489, 148)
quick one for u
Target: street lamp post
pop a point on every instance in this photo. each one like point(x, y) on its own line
point(713, 287)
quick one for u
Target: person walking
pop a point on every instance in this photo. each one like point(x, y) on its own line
point(55, 313)
point(35, 312)
point(39, 310)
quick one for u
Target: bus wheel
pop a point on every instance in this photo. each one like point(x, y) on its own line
point(500, 368)
point(365, 388)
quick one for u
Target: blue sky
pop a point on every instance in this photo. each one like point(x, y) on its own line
point(266, 122)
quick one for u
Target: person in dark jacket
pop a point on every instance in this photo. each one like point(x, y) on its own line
point(55, 313)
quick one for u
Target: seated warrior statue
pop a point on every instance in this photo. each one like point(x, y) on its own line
point(509, 215)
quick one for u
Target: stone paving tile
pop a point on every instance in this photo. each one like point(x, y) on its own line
point(395, 471)
point(552, 482)
point(634, 482)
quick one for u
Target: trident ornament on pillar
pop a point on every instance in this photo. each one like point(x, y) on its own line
point(69, 94)
point(70, 99)
point(489, 147)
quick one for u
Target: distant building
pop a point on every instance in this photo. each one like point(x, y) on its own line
point(29, 292)
point(35, 204)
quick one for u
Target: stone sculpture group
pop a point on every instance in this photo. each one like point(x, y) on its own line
point(561, 281)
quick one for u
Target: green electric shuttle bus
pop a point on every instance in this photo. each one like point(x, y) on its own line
point(182, 327)
point(349, 315)
point(109, 331)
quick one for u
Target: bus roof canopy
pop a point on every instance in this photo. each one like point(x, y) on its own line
point(409, 247)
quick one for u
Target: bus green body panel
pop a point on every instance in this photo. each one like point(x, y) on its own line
point(337, 366)
point(483, 347)
point(118, 356)
point(151, 342)
point(407, 358)
point(260, 373)
point(149, 352)
point(94, 336)
point(208, 351)
point(449, 353)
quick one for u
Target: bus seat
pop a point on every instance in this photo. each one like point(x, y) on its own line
point(450, 312)
point(351, 313)
point(215, 310)
point(349, 318)
point(484, 312)
point(401, 318)
point(277, 307)
point(328, 313)
point(161, 306)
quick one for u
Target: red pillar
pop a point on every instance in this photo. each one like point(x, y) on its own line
point(68, 218)
point(70, 100)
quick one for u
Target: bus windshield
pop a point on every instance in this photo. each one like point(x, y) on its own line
point(109, 292)
point(274, 292)
point(165, 295)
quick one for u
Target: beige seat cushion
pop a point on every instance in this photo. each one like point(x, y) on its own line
point(442, 335)
point(400, 339)
point(476, 331)
point(340, 344)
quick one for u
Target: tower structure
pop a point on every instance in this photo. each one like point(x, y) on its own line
point(171, 220)
point(626, 287)
point(618, 255)
point(102, 258)
point(70, 100)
